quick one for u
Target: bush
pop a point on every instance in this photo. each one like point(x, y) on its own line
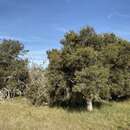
point(37, 91)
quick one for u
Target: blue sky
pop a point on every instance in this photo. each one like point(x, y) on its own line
point(40, 24)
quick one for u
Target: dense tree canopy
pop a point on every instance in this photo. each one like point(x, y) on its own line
point(94, 66)
point(13, 68)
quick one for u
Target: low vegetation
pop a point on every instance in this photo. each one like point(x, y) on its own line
point(17, 114)
point(37, 91)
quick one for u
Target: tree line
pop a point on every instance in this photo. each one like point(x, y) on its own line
point(89, 68)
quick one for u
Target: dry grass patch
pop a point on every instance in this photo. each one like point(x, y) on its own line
point(19, 115)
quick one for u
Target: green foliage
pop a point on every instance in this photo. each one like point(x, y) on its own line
point(13, 68)
point(92, 82)
point(94, 65)
point(117, 58)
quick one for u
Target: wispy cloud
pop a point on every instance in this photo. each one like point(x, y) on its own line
point(123, 33)
point(25, 39)
point(9, 37)
point(61, 29)
point(118, 14)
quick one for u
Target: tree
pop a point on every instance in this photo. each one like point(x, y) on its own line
point(13, 68)
point(92, 82)
point(96, 66)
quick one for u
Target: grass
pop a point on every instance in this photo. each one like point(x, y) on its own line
point(19, 115)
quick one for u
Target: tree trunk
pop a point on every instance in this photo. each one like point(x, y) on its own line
point(89, 105)
point(8, 94)
point(68, 93)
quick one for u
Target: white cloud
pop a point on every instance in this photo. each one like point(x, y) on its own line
point(118, 14)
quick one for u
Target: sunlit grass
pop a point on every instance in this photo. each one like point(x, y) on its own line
point(19, 115)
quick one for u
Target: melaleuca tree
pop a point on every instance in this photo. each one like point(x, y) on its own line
point(89, 72)
point(13, 68)
point(88, 62)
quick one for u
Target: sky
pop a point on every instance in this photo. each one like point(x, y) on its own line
point(41, 24)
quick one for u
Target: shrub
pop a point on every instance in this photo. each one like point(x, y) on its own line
point(37, 91)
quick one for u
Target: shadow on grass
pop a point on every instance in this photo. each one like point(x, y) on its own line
point(79, 106)
point(120, 99)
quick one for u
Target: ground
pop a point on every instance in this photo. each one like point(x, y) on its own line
point(18, 114)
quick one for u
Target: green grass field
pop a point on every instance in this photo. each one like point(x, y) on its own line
point(19, 115)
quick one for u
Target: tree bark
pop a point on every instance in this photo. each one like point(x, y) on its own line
point(89, 105)
point(68, 93)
